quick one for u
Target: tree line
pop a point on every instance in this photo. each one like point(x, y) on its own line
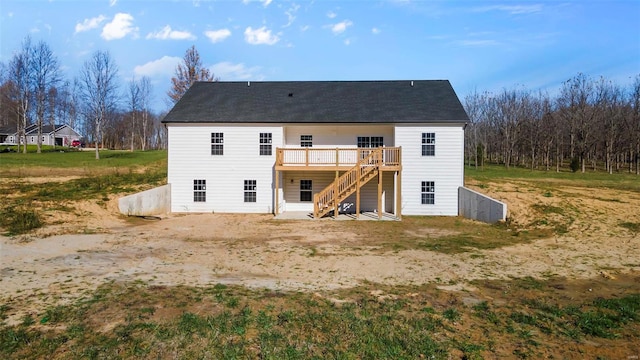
point(590, 124)
point(33, 91)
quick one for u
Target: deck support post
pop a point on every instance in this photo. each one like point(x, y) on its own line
point(399, 195)
point(335, 195)
point(380, 210)
point(358, 193)
point(276, 194)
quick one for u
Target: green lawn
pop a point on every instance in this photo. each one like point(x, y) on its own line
point(82, 159)
point(591, 179)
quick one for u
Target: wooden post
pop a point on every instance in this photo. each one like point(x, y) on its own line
point(399, 195)
point(337, 157)
point(306, 156)
point(380, 210)
point(358, 191)
point(276, 194)
point(335, 196)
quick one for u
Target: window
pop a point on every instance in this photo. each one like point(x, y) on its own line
point(306, 190)
point(250, 187)
point(217, 143)
point(199, 190)
point(265, 143)
point(428, 144)
point(370, 141)
point(306, 140)
point(428, 193)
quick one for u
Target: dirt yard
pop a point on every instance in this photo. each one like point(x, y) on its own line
point(81, 251)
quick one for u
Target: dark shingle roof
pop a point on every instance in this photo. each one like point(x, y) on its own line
point(319, 102)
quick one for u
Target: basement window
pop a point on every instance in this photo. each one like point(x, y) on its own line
point(428, 144)
point(265, 143)
point(217, 143)
point(306, 190)
point(250, 190)
point(306, 140)
point(199, 190)
point(428, 193)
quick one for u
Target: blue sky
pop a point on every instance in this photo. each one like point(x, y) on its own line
point(477, 45)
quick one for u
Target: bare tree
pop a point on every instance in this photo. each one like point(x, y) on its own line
point(46, 75)
point(145, 99)
point(20, 77)
point(134, 107)
point(187, 73)
point(99, 91)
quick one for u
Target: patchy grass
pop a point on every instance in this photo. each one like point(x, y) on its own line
point(444, 234)
point(116, 172)
point(140, 321)
point(634, 227)
point(19, 218)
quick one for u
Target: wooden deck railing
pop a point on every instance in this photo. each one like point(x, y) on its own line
point(339, 157)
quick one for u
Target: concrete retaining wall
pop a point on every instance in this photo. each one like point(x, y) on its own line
point(151, 202)
point(473, 205)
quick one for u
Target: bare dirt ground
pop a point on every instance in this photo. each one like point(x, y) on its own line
point(96, 245)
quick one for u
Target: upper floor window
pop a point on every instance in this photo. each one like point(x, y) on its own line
point(217, 143)
point(370, 141)
point(265, 143)
point(199, 190)
point(428, 193)
point(250, 190)
point(428, 144)
point(306, 140)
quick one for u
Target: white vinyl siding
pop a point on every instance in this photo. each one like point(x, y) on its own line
point(333, 135)
point(190, 158)
point(445, 168)
point(321, 179)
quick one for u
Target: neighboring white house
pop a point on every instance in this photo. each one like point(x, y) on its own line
point(317, 146)
point(60, 135)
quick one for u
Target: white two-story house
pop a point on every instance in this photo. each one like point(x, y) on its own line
point(322, 147)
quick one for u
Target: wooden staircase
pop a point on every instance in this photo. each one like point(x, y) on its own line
point(330, 197)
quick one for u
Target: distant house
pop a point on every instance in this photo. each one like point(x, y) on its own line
point(322, 147)
point(60, 135)
point(7, 134)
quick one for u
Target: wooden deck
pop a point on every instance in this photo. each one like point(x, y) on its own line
point(338, 159)
point(359, 166)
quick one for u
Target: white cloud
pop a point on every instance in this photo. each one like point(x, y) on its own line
point(265, 3)
point(89, 24)
point(331, 15)
point(165, 66)
point(217, 35)
point(512, 9)
point(340, 27)
point(375, 31)
point(260, 36)
point(347, 42)
point(228, 71)
point(478, 43)
point(291, 14)
point(119, 27)
point(305, 28)
point(113, 2)
point(168, 34)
